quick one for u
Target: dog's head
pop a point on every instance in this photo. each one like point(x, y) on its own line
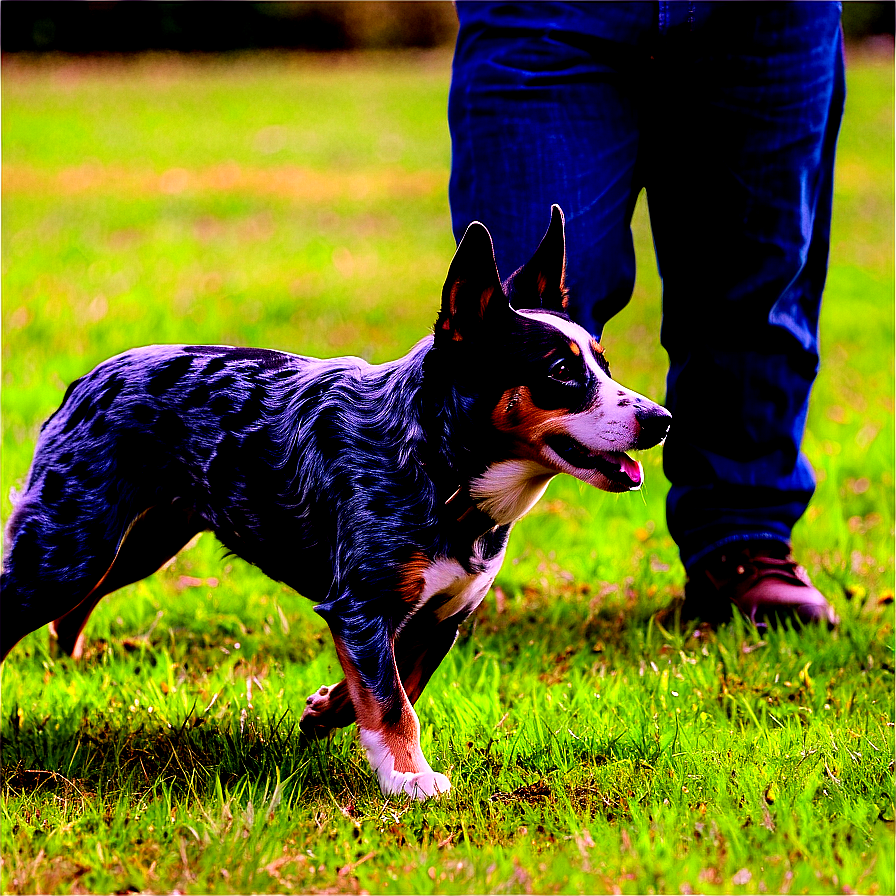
point(541, 379)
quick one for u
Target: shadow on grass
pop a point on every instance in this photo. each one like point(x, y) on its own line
point(89, 758)
point(90, 755)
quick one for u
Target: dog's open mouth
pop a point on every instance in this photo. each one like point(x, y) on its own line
point(616, 466)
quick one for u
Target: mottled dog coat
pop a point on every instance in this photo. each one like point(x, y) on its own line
point(383, 493)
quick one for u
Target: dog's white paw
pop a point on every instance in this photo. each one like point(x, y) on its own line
point(420, 785)
point(426, 785)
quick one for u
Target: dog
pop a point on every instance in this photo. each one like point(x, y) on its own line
point(384, 493)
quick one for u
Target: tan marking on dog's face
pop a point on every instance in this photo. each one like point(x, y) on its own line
point(518, 417)
point(574, 348)
point(596, 347)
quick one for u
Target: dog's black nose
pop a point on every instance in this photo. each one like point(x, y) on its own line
point(654, 422)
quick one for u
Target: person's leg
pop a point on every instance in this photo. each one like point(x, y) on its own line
point(543, 109)
point(749, 99)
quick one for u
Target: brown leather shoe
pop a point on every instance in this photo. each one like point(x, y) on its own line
point(760, 579)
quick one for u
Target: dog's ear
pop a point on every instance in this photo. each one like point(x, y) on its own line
point(540, 282)
point(471, 288)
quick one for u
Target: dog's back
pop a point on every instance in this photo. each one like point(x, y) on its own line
point(275, 453)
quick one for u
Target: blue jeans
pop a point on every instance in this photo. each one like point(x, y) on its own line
point(727, 114)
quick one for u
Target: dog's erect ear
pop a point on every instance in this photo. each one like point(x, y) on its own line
point(472, 286)
point(540, 282)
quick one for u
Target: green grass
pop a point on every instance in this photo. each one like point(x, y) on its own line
point(300, 203)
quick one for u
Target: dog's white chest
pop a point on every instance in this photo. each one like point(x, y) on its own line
point(509, 489)
point(455, 592)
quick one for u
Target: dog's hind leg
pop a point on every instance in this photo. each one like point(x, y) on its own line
point(328, 708)
point(62, 558)
point(388, 726)
point(46, 571)
point(15, 622)
point(150, 541)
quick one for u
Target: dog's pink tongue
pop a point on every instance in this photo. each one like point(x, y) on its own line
point(632, 469)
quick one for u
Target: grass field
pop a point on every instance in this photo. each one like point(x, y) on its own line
point(300, 203)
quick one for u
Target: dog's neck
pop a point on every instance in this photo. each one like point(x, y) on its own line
point(475, 489)
point(448, 414)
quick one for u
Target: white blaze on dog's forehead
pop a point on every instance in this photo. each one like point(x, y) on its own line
point(578, 335)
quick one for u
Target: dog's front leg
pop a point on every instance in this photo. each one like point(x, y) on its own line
point(420, 648)
point(388, 726)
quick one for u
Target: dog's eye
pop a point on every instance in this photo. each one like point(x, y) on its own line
point(562, 372)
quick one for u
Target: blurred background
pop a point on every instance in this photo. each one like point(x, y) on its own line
point(276, 174)
point(215, 27)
